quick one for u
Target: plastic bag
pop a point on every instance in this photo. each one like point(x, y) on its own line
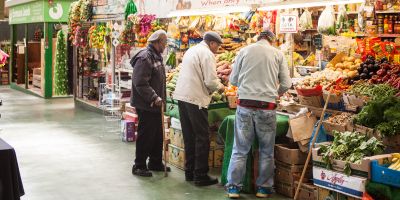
point(341, 18)
point(305, 20)
point(326, 22)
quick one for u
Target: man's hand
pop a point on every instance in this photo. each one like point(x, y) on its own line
point(221, 89)
point(157, 102)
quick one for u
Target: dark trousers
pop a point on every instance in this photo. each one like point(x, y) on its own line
point(194, 122)
point(149, 139)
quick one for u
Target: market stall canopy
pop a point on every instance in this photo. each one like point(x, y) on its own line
point(32, 11)
point(288, 4)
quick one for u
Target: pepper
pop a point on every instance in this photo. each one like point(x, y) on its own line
point(381, 72)
point(386, 78)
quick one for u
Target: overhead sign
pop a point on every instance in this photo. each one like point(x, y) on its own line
point(39, 11)
point(289, 24)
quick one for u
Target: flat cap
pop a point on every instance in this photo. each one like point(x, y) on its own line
point(269, 34)
point(156, 35)
point(212, 36)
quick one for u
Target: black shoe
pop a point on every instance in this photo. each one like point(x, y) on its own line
point(159, 168)
point(189, 176)
point(141, 172)
point(205, 181)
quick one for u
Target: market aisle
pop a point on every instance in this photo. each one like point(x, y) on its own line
point(64, 154)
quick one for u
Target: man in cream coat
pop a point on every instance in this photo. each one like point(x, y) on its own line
point(197, 81)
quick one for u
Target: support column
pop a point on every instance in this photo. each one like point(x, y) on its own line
point(26, 57)
point(12, 52)
point(48, 60)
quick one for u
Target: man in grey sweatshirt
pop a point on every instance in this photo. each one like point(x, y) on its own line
point(261, 74)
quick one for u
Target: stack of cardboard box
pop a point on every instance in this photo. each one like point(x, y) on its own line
point(176, 151)
point(289, 163)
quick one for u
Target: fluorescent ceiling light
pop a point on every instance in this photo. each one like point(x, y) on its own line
point(210, 11)
point(307, 4)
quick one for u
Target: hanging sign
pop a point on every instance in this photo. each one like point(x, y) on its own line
point(289, 24)
point(39, 11)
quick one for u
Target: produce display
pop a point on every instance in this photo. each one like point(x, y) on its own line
point(348, 67)
point(362, 88)
point(342, 118)
point(74, 18)
point(395, 162)
point(351, 147)
point(97, 34)
point(381, 113)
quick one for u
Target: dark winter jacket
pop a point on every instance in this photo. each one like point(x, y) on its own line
point(148, 79)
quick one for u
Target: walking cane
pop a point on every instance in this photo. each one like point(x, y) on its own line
point(163, 136)
point(313, 141)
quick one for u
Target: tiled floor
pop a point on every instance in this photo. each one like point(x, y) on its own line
point(67, 154)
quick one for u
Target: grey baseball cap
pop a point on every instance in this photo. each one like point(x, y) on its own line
point(212, 36)
point(156, 35)
point(269, 34)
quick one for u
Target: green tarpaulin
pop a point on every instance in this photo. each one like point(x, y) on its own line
point(226, 131)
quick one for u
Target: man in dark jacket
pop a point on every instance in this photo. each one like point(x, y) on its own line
point(148, 94)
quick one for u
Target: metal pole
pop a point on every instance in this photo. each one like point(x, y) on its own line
point(26, 57)
point(291, 55)
point(12, 52)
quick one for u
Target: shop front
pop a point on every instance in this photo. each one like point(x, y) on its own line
point(33, 58)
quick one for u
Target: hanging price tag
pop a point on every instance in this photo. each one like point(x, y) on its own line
point(116, 34)
point(115, 42)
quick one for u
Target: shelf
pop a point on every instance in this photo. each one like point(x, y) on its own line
point(349, 13)
point(388, 12)
point(125, 70)
point(379, 35)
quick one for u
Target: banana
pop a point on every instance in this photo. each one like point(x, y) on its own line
point(396, 155)
point(397, 167)
point(394, 165)
point(394, 159)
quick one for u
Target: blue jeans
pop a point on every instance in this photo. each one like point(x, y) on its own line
point(248, 124)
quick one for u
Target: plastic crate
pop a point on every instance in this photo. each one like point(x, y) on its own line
point(384, 175)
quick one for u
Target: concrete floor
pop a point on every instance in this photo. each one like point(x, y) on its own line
point(67, 154)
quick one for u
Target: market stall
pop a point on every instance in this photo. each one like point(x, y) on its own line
point(33, 60)
point(344, 54)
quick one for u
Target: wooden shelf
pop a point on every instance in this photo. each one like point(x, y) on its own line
point(349, 13)
point(379, 35)
point(387, 11)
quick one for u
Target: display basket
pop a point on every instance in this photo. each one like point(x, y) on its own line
point(317, 91)
point(364, 130)
point(330, 127)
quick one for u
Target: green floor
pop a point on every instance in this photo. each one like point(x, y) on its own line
point(70, 154)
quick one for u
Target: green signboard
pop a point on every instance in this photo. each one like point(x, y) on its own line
point(40, 11)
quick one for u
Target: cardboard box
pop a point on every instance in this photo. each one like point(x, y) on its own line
point(325, 194)
point(290, 154)
point(177, 156)
point(129, 108)
point(176, 138)
point(130, 117)
point(128, 131)
point(362, 170)
point(218, 158)
point(349, 185)
point(315, 101)
point(284, 189)
point(307, 191)
point(364, 130)
point(285, 173)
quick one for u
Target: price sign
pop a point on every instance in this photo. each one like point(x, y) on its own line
point(289, 24)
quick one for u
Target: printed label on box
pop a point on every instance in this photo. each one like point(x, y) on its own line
point(349, 185)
